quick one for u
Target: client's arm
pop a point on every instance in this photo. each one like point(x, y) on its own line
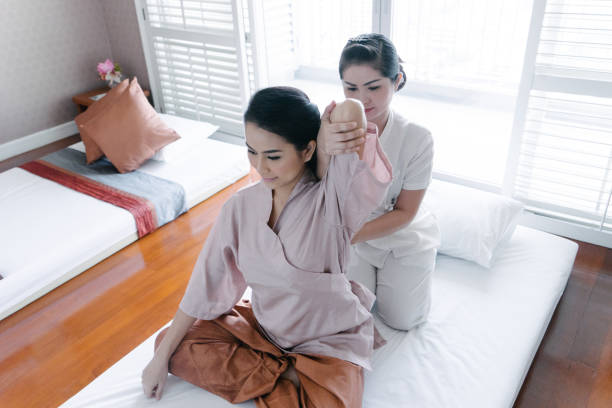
point(156, 372)
point(355, 186)
point(341, 132)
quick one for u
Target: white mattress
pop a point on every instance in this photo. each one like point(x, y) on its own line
point(474, 351)
point(50, 233)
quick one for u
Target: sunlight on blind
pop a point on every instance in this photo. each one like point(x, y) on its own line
point(323, 27)
point(198, 81)
point(565, 158)
point(190, 14)
point(566, 154)
point(576, 40)
point(197, 57)
point(476, 45)
point(248, 44)
point(279, 40)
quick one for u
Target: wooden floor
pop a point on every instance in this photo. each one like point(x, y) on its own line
point(573, 367)
point(55, 346)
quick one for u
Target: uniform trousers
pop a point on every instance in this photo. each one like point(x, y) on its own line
point(231, 357)
point(402, 286)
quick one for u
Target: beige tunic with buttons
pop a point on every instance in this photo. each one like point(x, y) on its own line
point(409, 148)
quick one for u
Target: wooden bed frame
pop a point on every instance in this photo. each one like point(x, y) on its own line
point(38, 152)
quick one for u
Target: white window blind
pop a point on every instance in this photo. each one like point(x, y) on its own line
point(323, 28)
point(560, 165)
point(476, 45)
point(196, 54)
point(272, 33)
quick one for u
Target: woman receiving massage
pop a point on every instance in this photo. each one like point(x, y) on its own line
point(306, 334)
point(394, 252)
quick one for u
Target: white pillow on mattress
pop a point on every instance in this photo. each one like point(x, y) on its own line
point(473, 223)
point(192, 132)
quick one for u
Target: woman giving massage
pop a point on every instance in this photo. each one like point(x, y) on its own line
point(394, 253)
point(288, 238)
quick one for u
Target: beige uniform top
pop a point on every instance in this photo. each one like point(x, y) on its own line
point(409, 148)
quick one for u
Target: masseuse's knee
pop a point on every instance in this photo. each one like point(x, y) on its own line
point(359, 270)
point(404, 315)
point(403, 291)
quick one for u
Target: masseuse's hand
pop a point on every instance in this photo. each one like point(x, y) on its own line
point(338, 138)
point(154, 377)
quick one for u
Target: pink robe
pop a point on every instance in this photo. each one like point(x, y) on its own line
point(300, 295)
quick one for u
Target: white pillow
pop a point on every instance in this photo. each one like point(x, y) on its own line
point(473, 223)
point(192, 133)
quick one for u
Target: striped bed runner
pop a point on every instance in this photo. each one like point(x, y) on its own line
point(141, 208)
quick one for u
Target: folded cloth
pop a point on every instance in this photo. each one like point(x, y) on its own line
point(153, 201)
point(230, 357)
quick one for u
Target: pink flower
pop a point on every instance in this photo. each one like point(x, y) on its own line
point(105, 67)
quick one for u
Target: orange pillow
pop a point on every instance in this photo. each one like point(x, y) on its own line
point(92, 151)
point(130, 131)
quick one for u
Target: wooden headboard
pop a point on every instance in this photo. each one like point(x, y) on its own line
point(38, 152)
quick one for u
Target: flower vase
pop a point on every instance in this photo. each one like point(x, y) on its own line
point(113, 79)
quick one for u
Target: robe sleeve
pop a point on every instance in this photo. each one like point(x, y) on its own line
point(216, 283)
point(353, 188)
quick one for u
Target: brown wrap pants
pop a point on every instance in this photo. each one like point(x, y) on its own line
point(231, 358)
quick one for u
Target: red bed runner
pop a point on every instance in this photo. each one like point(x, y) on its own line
point(141, 208)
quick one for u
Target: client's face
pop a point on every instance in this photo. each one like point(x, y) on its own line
point(277, 161)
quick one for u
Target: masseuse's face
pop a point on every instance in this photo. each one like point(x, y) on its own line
point(369, 86)
point(277, 161)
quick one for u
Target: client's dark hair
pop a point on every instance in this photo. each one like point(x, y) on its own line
point(375, 50)
point(287, 112)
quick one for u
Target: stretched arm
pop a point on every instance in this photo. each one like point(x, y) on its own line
point(408, 203)
point(336, 138)
point(156, 372)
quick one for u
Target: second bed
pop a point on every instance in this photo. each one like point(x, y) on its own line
point(51, 233)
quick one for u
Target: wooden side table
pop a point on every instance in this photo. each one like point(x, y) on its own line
point(82, 101)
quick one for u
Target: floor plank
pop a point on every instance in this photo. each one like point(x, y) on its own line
point(601, 394)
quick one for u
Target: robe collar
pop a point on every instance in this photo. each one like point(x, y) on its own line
point(265, 194)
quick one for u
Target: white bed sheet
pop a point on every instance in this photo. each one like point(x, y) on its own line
point(50, 233)
point(474, 351)
point(209, 167)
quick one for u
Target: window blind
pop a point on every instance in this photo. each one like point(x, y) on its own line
point(563, 164)
point(325, 26)
point(474, 45)
point(197, 52)
point(273, 24)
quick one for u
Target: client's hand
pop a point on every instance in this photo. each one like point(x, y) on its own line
point(154, 377)
point(339, 137)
